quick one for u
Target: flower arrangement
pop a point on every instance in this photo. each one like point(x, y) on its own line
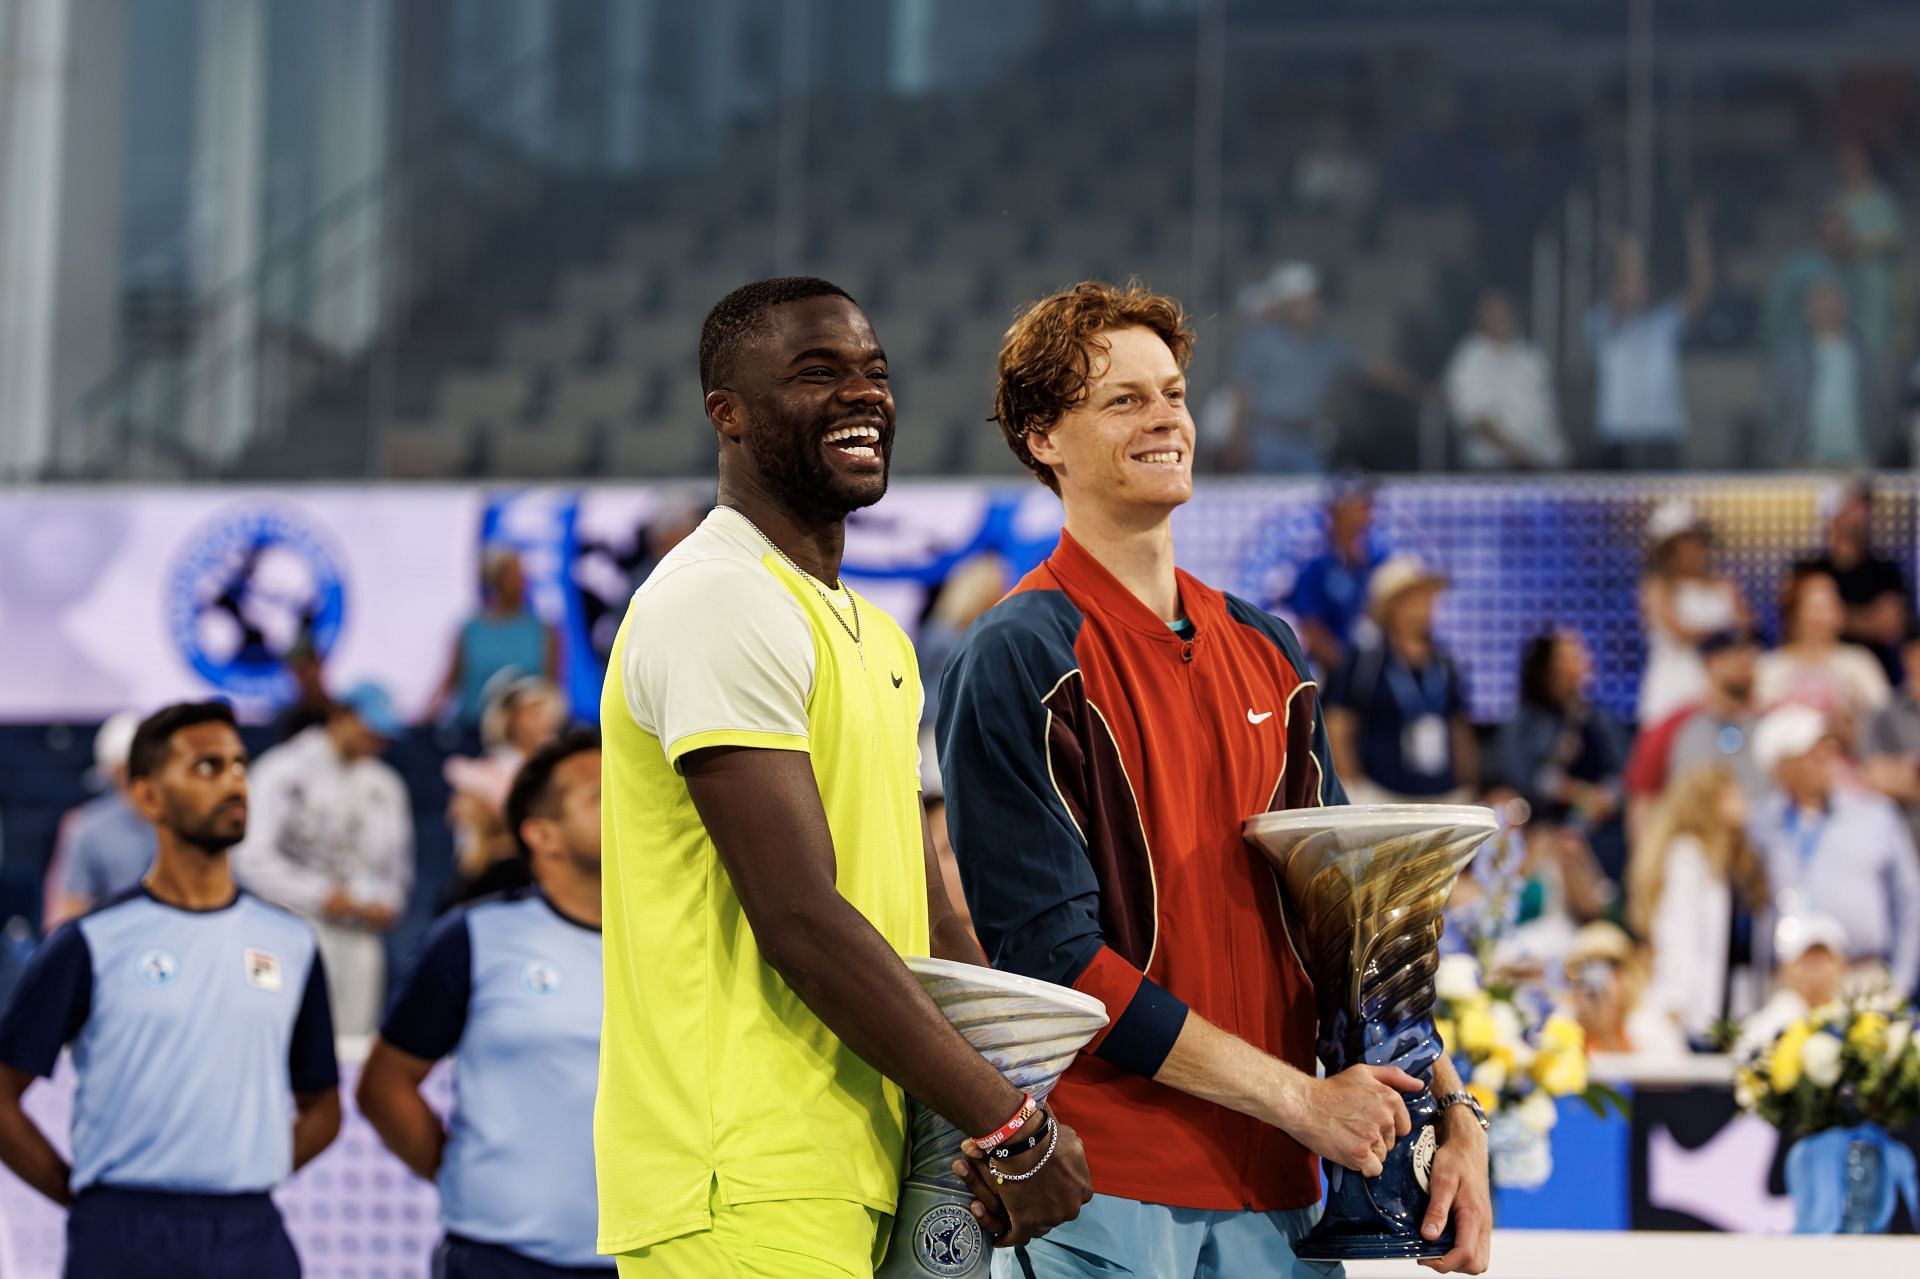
point(1842, 1064)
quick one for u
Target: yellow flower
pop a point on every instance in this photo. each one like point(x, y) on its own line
point(1561, 1073)
point(1868, 1034)
point(1477, 1031)
point(1443, 1027)
point(1784, 1071)
point(1489, 1101)
point(1562, 1034)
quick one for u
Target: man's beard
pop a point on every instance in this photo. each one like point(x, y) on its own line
point(793, 463)
point(208, 833)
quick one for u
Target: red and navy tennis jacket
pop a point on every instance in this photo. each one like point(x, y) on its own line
point(1098, 767)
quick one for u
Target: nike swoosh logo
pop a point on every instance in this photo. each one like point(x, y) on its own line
point(1261, 718)
point(897, 679)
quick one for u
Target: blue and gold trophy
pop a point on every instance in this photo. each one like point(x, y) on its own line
point(1366, 888)
point(1031, 1031)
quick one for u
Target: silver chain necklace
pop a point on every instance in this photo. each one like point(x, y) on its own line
point(853, 632)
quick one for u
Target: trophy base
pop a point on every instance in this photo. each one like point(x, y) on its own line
point(1370, 1247)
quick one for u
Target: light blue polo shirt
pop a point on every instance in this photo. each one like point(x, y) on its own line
point(191, 1033)
point(510, 988)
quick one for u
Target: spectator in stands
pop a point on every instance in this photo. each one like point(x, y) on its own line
point(332, 840)
point(1335, 176)
point(1565, 754)
point(1329, 598)
point(1838, 851)
point(1873, 223)
point(1682, 601)
point(1397, 711)
point(506, 635)
point(1830, 257)
point(311, 702)
point(522, 718)
point(1285, 373)
point(105, 845)
point(1815, 667)
point(1825, 397)
point(1810, 969)
point(1500, 395)
point(1718, 729)
point(1694, 887)
point(510, 989)
point(1889, 746)
point(1640, 416)
point(1607, 979)
point(1872, 588)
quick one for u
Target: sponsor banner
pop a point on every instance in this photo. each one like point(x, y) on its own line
point(113, 598)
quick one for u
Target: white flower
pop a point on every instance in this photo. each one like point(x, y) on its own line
point(1538, 1112)
point(1820, 1059)
point(1898, 1033)
point(1744, 1095)
point(1491, 1075)
point(1458, 979)
point(1507, 1030)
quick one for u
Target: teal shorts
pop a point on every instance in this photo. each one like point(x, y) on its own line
point(1113, 1237)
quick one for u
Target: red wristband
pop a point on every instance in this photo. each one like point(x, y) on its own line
point(1005, 1132)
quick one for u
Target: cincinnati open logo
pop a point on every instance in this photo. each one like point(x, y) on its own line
point(249, 588)
point(949, 1241)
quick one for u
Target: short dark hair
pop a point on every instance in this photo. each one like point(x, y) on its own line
point(532, 791)
point(1536, 669)
point(154, 737)
point(741, 316)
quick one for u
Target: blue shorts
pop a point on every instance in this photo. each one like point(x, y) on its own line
point(1113, 1237)
point(462, 1258)
point(157, 1234)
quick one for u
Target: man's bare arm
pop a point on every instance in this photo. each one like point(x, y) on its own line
point(950, 937)
point(23, 1147)
point(316, 1122)
point(389, 1096)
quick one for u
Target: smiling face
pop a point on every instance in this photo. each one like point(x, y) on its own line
point(810, 409)
point(1128, 445)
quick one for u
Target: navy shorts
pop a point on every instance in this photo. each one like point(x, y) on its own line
point(156, 1234)
point(460, 1258)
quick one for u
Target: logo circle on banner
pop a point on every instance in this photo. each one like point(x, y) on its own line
point(540, 977)
point(949, 1241)
point(1424, 1147)
point(248, 587)
point(157, 967)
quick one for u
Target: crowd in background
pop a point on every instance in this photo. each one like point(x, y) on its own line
point(1832, 341)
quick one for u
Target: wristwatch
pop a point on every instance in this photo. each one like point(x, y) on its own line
point(1461, 1097)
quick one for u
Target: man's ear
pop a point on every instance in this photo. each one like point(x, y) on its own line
point(144, 794)
point(724, 411)
point(1044, 450)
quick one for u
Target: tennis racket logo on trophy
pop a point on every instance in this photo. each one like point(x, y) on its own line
point(1366, 888)
point(1031, 1031)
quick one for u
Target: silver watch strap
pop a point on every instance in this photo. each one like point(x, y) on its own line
point(1461, 1097)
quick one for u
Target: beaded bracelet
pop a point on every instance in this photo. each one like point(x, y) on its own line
point(1004, 1133)
point(1003, 1178)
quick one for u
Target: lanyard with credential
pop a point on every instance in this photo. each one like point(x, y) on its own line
point(1429, 697)
point(1806, 840)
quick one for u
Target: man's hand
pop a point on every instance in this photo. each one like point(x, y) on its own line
point(1459, 1187)
point(1354, 1118)
point(1031, 1208)
point(339, 906)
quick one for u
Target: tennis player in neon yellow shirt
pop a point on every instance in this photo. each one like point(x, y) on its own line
point(766, 864)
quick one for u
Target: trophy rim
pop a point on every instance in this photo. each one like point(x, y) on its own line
point(1295, 820)
point(995, 981)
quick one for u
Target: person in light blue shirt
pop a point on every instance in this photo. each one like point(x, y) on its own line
point(1836, 851)
point(509, 987)
point(201, 1036)
point(104, 845)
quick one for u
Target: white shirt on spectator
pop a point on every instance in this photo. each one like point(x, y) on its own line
point(1689, 937)
point(1848, 683)
point(316, 823)
point(1506, 382)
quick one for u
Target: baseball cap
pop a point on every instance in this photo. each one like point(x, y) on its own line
point(113, 743)
point(1795, 935)
point(370, 702)
point(1396, 575)
point(1787, 733)
point(1671, 519)
point(1288, 282)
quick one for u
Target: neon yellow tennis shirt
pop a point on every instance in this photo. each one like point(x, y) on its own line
point(714, 1076)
